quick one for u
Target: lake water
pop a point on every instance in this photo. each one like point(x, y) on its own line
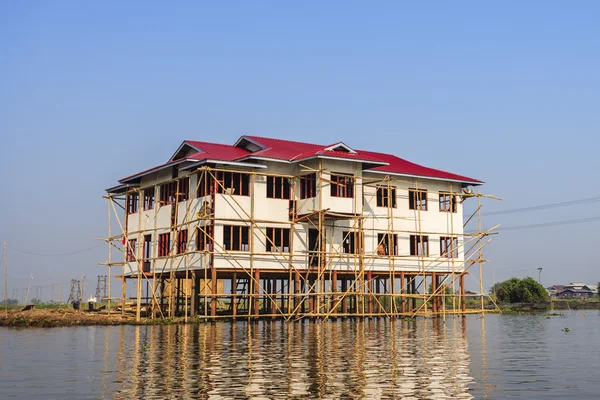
point(496, 357)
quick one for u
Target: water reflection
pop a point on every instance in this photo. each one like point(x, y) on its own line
point(340, 359)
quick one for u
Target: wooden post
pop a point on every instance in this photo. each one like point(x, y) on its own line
point(311, 298)
point(296, 289)
point(402, 293)
point(463, 304)
point(255, 299)
point(413, 291)
point(334, 290)
point(194, 297)
point(234, 293)
point(433, 290)
point(345, 298)
point(273, 290)
point(370, 298)
point(213, 289)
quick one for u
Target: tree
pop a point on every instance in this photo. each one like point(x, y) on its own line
point(598, 290)
point(36, 301)
point(515, 290)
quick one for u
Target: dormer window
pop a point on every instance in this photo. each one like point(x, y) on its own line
point(341, 147)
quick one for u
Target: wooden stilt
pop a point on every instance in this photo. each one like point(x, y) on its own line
point(234, 303)
point(213, 289)
point(256, 299)
point(402, 293)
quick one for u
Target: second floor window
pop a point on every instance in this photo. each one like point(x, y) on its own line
point(164, 244)
point(233, 183)
point(167, 193)
point(387, 244)
point(131, 249)
point(419, 245)
point(204, 187)
point(148, 198)
point(278, 240)
point(236, 238)
point(278, 187)
point(308, 186)
point(133, 201)
point(449, 247)
point(447, 202)
point(183, 191)
point(417, 199)
point(386, 197)
point(203, 240)
point(350, 242)
point(342, 186)
point(182, 238)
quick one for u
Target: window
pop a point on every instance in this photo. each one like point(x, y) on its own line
point(313, 247)
point(164, 243)
point(147, 253)
point(183, 190)
point(200, 240)
point(131, 249)
point(342, 186)
point(292, 209)
point(278, 240)
point(449, 247)
point(133, 200)
point(387, 244)
point(182, 238)
point(447, 202)
point(386, 197)
point(167, 193)
point(308, 186)
point(278, 187)
point(205, 185)
point(147, 246)
point(417, 199)
point(350, 242)
point(148, 198)
point(419, 245)
point(233, 183)
point(236, 238)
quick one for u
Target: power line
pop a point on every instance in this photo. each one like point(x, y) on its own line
point(546, 206)
point(55, 254)
point(549, 224)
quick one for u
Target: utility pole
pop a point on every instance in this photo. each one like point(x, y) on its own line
point(28, 287)
point(5, 282)
point(540, 275)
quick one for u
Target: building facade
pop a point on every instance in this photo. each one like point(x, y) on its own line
point(293, 229)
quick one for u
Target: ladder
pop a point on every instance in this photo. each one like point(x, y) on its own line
point(242, 303)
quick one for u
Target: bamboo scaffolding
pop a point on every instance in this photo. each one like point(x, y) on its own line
point(291, 281)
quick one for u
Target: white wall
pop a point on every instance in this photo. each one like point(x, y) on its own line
point(238, 210)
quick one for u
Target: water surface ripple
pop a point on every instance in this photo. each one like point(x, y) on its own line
point(496, 357)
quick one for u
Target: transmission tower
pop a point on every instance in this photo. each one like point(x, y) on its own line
point(82, 289)
point(101, 288)
point(75, 293)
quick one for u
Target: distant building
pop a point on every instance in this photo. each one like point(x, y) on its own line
point(574, 290)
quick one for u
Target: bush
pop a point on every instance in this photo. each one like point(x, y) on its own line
point(517, 290)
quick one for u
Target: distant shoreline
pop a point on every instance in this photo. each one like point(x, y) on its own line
point(66, 316)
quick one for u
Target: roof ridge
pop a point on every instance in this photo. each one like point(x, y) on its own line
point(286, 140)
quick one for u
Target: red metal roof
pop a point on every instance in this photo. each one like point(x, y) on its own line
point(291, 151)
point(399, 165)
point(294, 151)
point(216, 151)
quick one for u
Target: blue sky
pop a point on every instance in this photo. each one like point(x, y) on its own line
point(506, 92)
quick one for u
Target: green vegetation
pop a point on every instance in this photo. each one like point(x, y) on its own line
point(515, 290)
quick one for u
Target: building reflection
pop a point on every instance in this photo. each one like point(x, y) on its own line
point(375, 358)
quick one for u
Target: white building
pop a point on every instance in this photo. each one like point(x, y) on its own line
point(308, 220)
